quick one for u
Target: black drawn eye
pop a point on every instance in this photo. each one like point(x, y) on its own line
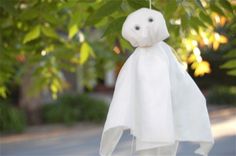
point(137, 27)
point(150, 19)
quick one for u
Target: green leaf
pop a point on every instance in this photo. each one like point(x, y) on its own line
point(226, 5)
point(233, 27)
point(199, 4)
point(184, 21)
point(216, 9)
point(86, 1)
point(29, 14)
point(230, 54)
point(105, 10)
point(232, 42)
point(8, 5)
point(114, 26)
point(229, 64)
point(206, 18)
point(232, 72)
point(85, 51)
point(170, 9)
point(32, 35)
point(50, 17)
point(48, 31)
point(3, 91)
point(137, 4)
point(195, 23)
point(73, 30)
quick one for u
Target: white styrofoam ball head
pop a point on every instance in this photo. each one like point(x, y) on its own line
point(144, 28)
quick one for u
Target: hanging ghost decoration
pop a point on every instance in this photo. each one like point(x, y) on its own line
point(154, 96)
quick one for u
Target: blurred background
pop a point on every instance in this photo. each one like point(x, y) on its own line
point(59, 60)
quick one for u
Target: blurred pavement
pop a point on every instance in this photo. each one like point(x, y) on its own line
point(83, 139)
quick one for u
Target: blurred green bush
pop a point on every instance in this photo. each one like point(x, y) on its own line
point(69, 109)
point(12, 120)
point(222, 95)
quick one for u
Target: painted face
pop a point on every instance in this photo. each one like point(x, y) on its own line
point(144, 28)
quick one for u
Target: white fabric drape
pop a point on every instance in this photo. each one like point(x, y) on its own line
point(154, 97)
point(159, 102)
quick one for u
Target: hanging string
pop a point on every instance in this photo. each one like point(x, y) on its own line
point(132, 146)
point(150, 4)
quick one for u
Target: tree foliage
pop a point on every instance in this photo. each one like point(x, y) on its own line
point(46, 37)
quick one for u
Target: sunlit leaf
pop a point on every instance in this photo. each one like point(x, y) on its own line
point(216, 45)
point(229, 64)
point(194, 65)
point(55, 87)
point(72, 31)
point(223, 39)
point(3, 91)
point(202, 68)
point(232, 72)
point(191, 58)
point(48, 31)
point(33, 34)
point(85, 51)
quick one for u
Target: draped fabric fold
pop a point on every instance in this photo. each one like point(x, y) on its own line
point(157, 100)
